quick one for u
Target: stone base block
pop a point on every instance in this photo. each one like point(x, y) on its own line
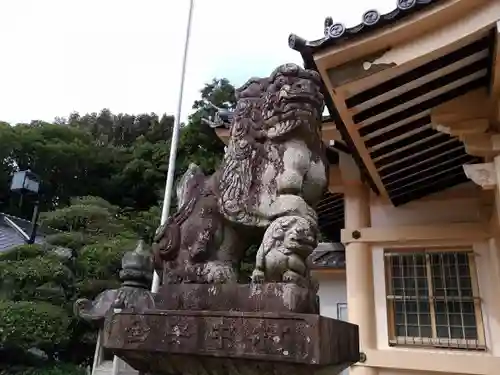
point(271, 297)
point(227, 342)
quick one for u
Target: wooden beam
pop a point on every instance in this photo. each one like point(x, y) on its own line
point(482, 174)
point(484, 145)
point(495, 220)
point(462, 191)
point(418, 233)
point(468, 117)
point(495, 79)
point(463, 128)
point(329, 132)
point(468, 107)
point(432, 361)
point(223, 134)
point(346, 115)
point(495, 68)
point(335, 184)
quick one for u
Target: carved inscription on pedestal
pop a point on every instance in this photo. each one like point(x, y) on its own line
point(177, 331)
point(222, 335)
point(234, 334)
point(269, 337)
point(256, 336)
point(137, 331)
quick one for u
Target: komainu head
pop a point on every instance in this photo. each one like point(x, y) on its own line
point(293, 94)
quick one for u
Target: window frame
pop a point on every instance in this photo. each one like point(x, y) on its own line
point(478, 344)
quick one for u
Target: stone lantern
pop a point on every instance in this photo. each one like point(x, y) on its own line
point(26, 183)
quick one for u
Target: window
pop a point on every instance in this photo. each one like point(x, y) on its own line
point(433, 299)
point(342, 311)
point(107, 355)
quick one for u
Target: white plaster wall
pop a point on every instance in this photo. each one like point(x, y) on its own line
point(332, 290)
point(434, 212)
point(430, 210)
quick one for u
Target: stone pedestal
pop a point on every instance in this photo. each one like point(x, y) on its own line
point(269, 338)
point(273, 297)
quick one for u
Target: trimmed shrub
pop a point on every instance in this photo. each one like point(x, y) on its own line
point(28, 324)
point(53, 369)
point(20, 279)
point(71, 240)
point(102, 260)
point(22, 252)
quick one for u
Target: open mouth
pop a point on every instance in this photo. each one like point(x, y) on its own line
point(292, 110)
point(302, 240)
point(294, 106)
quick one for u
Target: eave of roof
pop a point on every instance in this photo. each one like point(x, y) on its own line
point(335, 33)
point(336, 36)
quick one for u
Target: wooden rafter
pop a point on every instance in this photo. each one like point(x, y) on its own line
point(470, 118)
point(495, 79)
point(339, 102)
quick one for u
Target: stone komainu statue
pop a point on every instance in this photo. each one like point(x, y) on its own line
point(274, 168)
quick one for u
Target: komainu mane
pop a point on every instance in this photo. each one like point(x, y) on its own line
point(274, 167)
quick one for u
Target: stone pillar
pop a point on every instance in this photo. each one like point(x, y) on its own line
point(359, 273)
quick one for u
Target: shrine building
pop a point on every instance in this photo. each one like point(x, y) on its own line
point(413, 208)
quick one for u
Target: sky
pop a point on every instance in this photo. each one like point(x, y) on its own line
point(61, 56)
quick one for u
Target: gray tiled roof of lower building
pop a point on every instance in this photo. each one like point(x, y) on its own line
point(328, 255)
point(9, 237)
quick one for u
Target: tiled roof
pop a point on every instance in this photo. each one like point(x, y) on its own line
point(9, 237)
point(336, 33)
point(328, 255)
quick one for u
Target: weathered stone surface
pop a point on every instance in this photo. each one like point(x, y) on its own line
point(147, 341)
point(270, 297)
point(282, 255)
point(273, 173)
point(202, 322)
point(133, 294)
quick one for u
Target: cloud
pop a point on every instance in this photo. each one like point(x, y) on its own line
point(60, 56)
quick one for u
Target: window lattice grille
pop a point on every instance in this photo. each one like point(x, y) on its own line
point(433, 299)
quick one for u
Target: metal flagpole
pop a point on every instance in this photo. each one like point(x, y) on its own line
point(175, 140)
point(171, 161)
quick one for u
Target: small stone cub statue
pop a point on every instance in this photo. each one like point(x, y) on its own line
point(281, 257)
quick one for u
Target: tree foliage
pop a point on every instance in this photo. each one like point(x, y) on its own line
point(103, 177)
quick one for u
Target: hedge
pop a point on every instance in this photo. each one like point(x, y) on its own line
point(28, 324)
point(18, 279)
point(103, 260)
point(54, 369)
point(22, 252)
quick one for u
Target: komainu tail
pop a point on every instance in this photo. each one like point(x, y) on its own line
point(190, 182)
point(167, 241)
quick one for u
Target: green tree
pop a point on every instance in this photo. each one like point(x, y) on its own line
point(198, 143)
point(39, 284)
point(102, 177)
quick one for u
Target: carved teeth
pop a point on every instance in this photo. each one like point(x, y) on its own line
point(283, 94)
